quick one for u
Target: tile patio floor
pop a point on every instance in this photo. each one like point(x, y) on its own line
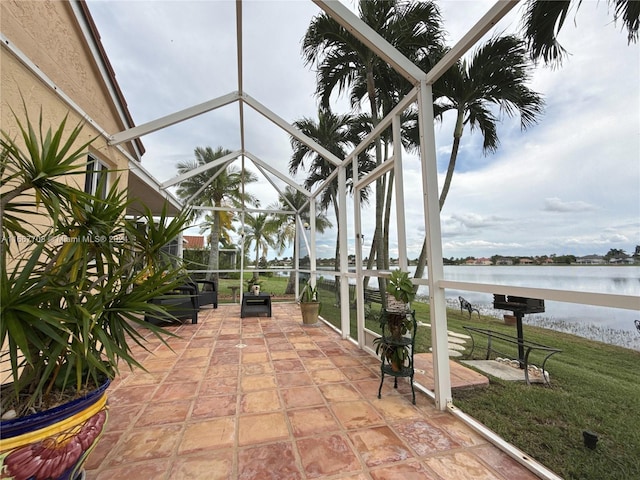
point(268, 398)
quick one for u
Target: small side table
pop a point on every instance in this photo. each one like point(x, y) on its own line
point(253, 305)
point(234, 292)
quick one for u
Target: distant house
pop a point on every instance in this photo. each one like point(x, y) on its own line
point(479, 261)
point(526, 261)
point(626, 260)
point(591, 260)
point(504, 261)
point(193, 242)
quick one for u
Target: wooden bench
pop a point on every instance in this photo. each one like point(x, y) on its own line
point(372, 295)
point(503, 339)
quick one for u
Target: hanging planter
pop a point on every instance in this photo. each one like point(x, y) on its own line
point(53, 444)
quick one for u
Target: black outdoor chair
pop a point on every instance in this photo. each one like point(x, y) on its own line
point(207, 293)
point(181, 303)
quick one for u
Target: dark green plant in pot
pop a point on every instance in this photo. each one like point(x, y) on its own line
point(396, 355)
point(76, 275)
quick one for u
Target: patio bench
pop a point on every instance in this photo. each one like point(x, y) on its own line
point(372, 295)
point(503, 339)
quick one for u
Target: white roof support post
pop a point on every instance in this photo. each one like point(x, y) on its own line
point(345, 320)
point(312, 240)
point(296, 252)
point(399, 184)
point(435, 267)
point(359, 240)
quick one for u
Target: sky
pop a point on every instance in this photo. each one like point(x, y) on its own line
point(568, 185)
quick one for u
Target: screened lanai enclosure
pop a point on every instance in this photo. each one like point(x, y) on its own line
point(353, 189)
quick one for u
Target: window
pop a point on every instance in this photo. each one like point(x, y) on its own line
point(95, 182)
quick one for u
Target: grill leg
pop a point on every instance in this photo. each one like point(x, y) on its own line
point(519, 316)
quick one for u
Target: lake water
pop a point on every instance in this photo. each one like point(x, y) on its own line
point(612, 325)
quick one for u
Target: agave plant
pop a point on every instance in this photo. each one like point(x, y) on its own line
point(76, 275)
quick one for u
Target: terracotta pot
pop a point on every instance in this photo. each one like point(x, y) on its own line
point(310, 312)
point(53, 444)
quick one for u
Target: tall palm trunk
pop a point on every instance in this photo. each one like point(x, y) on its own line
point(378, 234)
point(387, 219)
point(214, 253)
point(457, 134)
point(291, 283)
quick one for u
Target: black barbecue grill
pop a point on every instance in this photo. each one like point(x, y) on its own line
point(519, 306)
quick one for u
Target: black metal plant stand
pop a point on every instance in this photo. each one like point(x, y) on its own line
point(405, 370)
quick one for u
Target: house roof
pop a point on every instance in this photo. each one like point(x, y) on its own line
point(192, 242)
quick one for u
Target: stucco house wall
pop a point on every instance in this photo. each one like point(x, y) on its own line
point(48, 35)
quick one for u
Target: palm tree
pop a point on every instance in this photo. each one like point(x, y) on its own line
point(260, 230)
point(223, 188)
point(338, 134)
point(543, 20)
point(292, 198)
point(343, 62)
point(226, 227)
point(495, 76)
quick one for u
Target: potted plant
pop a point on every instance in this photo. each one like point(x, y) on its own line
point(253, 285)
point(309, 304)
point(396, 355)
point(76, 279)
point(400, 287)
point(395, 319)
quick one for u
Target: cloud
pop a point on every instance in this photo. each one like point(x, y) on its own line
point(554, 204)
point(582, 158)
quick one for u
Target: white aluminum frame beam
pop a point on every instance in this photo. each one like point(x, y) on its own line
point(384, 123)
point(276, 173)
point(172, 119)
point(435, 267)
point(202, 168)
point(104, 69)
point(239, 57)
point(345, 317)
point(290, 129)
point(206, 184)
point(134, 163)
